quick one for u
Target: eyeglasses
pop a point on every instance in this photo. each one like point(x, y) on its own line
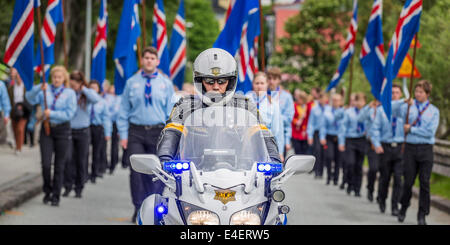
point(211, 81)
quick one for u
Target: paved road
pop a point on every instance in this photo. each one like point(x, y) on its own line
point(312, 203)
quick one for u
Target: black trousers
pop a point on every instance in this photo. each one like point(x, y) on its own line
point(103, 158)
point(55, 144)
point(75, 172)
point(300, 146)
point(143, 140)
point(374, 162)
point(391, 164)
point(355, 150)
point(317, 150)
point(418, 160)
point(97, 140)
point(332, 154)
point(114, 158)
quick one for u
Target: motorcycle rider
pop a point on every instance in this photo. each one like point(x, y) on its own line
point(215, 80)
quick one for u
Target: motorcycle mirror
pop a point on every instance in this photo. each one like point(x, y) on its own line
point(145, 164)
point(300, 163)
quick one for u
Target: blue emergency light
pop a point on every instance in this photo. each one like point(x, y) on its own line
point(269, 167)
point(161, 209)
point(176, 166)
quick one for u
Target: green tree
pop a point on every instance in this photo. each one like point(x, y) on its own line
point(310, 50)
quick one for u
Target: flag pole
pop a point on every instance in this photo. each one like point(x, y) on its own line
point(261, 38)
point(47, 120)
point(350, 81)
point(144, 40)
point(411, 81)
point(66, 59)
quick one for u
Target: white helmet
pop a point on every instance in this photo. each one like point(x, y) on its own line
point(215, 63)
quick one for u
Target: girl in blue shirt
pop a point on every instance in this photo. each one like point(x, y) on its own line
point(61, 107)
point(76, 167)
point(269, 111)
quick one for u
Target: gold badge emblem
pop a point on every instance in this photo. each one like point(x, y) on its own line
point(215, 71)
point(225, 196)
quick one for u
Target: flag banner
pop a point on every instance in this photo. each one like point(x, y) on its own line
point(372, 50)
point(407, 27)
point(53, 16)
point(160, 36)
point(19, 51)
point(238, 38)
point(98, 71)
point(177, 49)
point(125, 49)
point(349, 48)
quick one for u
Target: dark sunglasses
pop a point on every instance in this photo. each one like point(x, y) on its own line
point(211, 81)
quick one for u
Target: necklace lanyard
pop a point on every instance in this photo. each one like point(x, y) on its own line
point(420, 112)
point(258, 99)
point(56, 95)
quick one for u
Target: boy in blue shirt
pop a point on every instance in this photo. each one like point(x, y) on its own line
point(420, 129)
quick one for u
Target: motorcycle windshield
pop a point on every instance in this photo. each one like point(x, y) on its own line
point(222, 137)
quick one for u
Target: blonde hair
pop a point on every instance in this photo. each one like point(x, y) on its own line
point(62, 69)
point(260, 74)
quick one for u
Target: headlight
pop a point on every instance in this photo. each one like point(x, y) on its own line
point(198, 216)
point(245, 218)
point(249, 216)
point(203, 217)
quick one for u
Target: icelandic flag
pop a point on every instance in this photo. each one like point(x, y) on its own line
point(177, 49)
point(247, 51)
point(348, 50)
point(53, 16)
point(98, 71)
point(19, 51)
point(230, 37)
point(372, 50)
point(160, 36)
point(238, 38)
point(407, 27)
point(125, 49)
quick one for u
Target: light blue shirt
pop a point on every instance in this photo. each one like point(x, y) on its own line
point(113, 103)
point(271, 115)
point(424, 131)
point(350, 127)
point(5, 104)
point(287, 110)
point(100, 116)
point(65, 105)
point(382, 129)
point(332, 118)
point(82, 117)
point(316, 120)
point(133, 108)
point(367, 116)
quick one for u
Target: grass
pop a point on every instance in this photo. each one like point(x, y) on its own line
point(439, 185)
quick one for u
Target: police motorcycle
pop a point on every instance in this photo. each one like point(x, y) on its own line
point(222, 176)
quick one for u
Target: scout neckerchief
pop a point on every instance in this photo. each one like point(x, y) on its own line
point(56, 94)
point(148, 86)
point(420, 112)
point(92, 113)
point(335, 124)
point(360, 125)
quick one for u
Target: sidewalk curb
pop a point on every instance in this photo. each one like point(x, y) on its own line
point(435, 201)
point(19, 190)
